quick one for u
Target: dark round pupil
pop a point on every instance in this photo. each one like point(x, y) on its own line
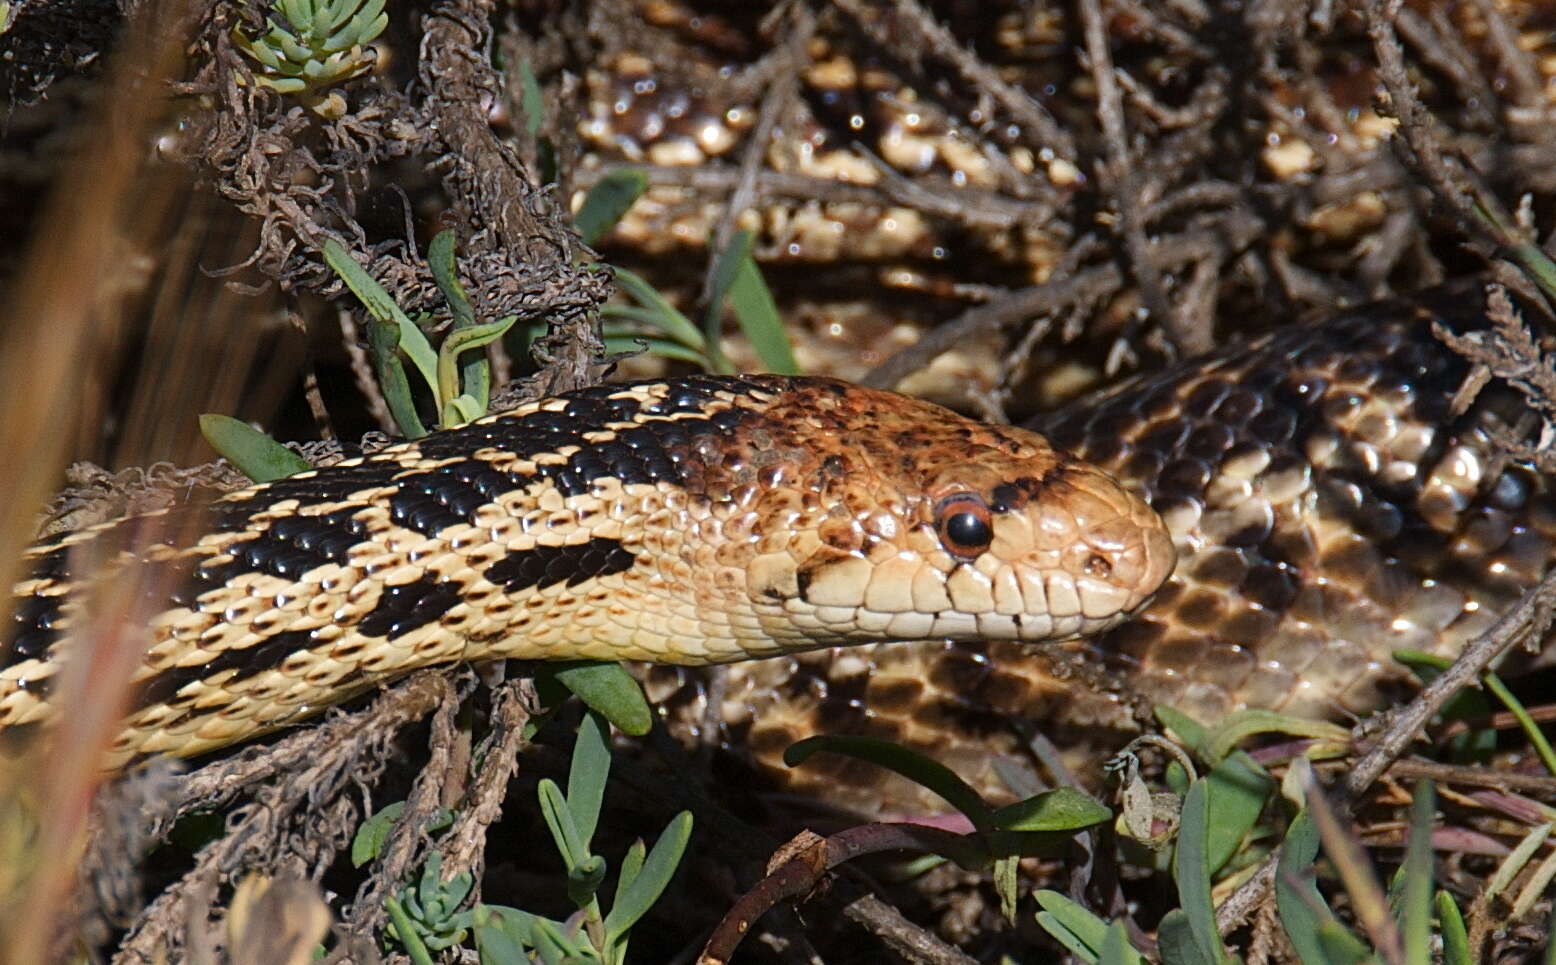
point(966, 529)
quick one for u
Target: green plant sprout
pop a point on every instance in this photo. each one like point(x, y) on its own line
point(426, 917)
point(315, 45)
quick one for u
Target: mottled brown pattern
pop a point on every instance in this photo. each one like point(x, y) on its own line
point(1327, 510)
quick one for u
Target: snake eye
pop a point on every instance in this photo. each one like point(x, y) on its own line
point(964, 525)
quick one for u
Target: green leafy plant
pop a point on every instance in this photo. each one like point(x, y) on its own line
point(644, 873)
point(457, 377)
point(428, 916)
point(1040, 824)
point(314, 45)
point(654, 324)
point(371, 835)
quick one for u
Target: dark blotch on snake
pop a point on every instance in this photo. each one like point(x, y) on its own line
point(548, 565)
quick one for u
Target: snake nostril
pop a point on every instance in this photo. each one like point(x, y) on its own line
point(1098, 567)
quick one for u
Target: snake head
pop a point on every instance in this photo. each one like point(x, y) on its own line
point(926, 525)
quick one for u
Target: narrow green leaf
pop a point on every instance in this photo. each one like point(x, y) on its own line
point(1223, 738)
point(319, 73)
point(1470, 703)
point(1417, 871)
point(474, 371)
point(724, 270)
point(564, 830)
point(383, 341)
point(915, 767)
point(337, 14)
point(371, 12)
point(1526, 722)
point(551, 944)
point(282, 85)
point(610, 690)
point(262, 51)
point(369, 839)
point(758, 316)
point(461, 410)
point(465, 341)
point(1303, 912)
point(671, 321)
point(1191, 872)
point(497, 947)
point(637, 318)
point(631, 865)
point(1341, 947)
point(1456, 940)
point(1071, 924)
point(378, 304)
point(405, 932)
point(295, 50)
point(607, 201)
point(532, 103)
point(584, 880)
point(368, 842)
point(631, 345)
point(1061, 809)
point(586, 776)
point(1176, 941)
point(1238, 789)
point(1517, 859)
point(298, 14)
point(256, 455)
point(1536, 264)
point(1189, 730)
point(635, 900)
point(1116, 949)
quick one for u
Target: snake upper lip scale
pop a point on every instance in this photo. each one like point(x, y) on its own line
point(694, 520)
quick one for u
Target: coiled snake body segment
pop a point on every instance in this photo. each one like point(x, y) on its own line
point(690, 521)
point(1328, 507)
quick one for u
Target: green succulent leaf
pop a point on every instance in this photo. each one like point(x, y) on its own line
point(1237, 788)
point(1196, 932)
point(1456, 940)
point(1072, 925)
point(607, 201)
point(570, 843)
point(634, 900)
point(633, 344)
point(531, 102)
point(383, 343)
point(1301, 906)
point(669, 318)
point(1116, 949)
point(610, 690)
point(588, 772)
point(1062, 809)
point(758, 316)
point(256, 455)
point(915, 767)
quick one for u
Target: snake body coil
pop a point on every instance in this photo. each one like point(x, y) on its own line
point(691, 521)
point(1328, 507)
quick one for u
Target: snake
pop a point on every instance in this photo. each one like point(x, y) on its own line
point(1261, 527)
point(1329, 505)
point(690, 521)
